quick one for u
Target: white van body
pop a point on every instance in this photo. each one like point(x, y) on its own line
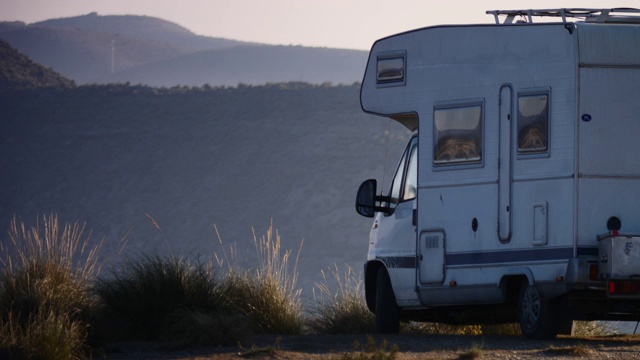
point(526, 202)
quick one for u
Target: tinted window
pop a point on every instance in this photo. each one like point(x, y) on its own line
point(396, 186)
point(411, 180)
point(390, 69)
point(404, 186)
point(458, 135)
point(533, 123)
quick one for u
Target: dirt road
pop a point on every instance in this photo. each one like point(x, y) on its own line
point(409, 347)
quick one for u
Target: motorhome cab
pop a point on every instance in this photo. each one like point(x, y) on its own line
point(518, 197)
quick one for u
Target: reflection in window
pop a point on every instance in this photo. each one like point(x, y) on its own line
point(390, 69)
point(394, 194)
point(411, 182)
point(458, 135)
point(533, 123)
point(405, 182)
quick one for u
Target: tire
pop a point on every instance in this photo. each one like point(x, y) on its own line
point(387, 312)
point(538, 317)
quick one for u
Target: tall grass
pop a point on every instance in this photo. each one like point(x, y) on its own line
point(342, 310)
point(45, 289)
point(267, 294)
point(52, 301)
point(143, 294)
point(193, 302)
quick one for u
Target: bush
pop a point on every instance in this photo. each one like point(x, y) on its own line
point(343, 310)
point(267, 295)
point(147, 294)
point(45, 295)
point(186, 326)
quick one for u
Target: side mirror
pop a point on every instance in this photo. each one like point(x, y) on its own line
point(367, 202)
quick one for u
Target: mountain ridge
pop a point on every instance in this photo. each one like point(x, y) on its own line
point(145, 50)
point(17, 71)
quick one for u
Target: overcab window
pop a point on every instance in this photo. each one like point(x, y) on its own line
point(390, 69)
point(533, 123)
point(457, 135)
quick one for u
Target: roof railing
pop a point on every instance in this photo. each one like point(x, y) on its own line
point(613, 15)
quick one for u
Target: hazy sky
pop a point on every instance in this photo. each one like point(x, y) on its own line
point(353, 24)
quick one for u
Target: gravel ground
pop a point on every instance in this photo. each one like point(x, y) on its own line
point(409, 347)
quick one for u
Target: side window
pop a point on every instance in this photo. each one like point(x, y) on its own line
point(390, 68)
point(533, 123)
point(396, 185)
point(457, 135)
point(404, 185)
point(411, 180)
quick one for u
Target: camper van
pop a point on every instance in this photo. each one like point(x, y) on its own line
point(517, 198)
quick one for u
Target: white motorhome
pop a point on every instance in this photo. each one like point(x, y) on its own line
point(517, 198)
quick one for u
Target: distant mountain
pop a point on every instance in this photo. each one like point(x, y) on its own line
point(249, 65)
point(142, 27)
point(82, 55)
point(17, 71)
point(147, 50)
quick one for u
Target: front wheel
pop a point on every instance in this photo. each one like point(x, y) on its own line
point(539, 318)
point(387, 312)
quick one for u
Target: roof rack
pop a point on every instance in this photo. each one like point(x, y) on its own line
point(627, 15)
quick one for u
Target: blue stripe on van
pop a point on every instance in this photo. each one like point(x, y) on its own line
point(491, 257)
point(543, 254)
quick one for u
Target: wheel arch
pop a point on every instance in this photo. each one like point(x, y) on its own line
point(511, 284)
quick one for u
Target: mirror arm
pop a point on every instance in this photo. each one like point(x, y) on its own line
point(379, 199)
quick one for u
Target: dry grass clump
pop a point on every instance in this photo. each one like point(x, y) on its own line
point(512, 329)
point(474, 353)
point(177, 300)
point(149, 297)
point(344, 310)
point(199, 327)
point(578, 350)
point(45, 290)
point(594, 328)
point(439, 329)
point(371, 351)
point(267, 295)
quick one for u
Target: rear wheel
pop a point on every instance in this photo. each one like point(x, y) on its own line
point(387, 312)
point(539, 318)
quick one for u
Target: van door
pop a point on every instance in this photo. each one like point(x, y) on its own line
point(504, 165)
point(396, 232)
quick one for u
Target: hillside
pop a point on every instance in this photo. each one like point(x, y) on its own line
point(249, 65)
point(238, 158)
point(17, 71)
point(145, 50)
point(141, 27)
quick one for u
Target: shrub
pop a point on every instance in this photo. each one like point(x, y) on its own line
point(147, 294)
point(54, 336)
point(594, 328)
point(187, 326)
point(371, 351)
point(512, 329)
point(438, 328)
point(45, 295)
point(267, 295)
point(343, 310)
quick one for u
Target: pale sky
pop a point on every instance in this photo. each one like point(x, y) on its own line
point(352, 24)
